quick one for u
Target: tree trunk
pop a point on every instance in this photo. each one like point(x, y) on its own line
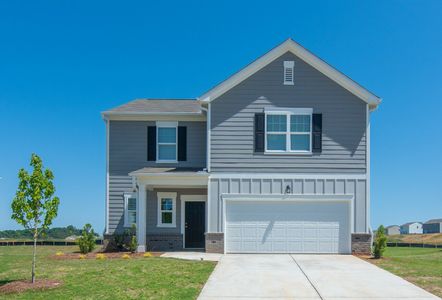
point(34, 253)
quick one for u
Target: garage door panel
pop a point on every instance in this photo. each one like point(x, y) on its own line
point(287, 227)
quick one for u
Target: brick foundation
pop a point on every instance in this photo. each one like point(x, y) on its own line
point(361, 243)
point(215, 242)
point(164, 242)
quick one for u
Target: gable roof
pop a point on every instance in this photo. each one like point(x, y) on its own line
point(291, 46)
point(433, 221)
point(409, 223)
point(393, 226)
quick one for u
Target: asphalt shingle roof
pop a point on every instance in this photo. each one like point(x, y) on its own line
point(434, 221)
point(171, 106)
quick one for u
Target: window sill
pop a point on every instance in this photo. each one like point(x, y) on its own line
point(289, 153)
point(167, 225)
point(166, 161)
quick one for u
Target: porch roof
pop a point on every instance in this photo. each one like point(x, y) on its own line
point(149, 171)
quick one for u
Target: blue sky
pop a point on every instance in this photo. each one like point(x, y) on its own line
point(62, 62)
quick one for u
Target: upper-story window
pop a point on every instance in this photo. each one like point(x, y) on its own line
point(289, 72)
point(288, 130)
point(167, 142)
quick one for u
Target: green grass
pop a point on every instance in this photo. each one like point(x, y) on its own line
point(137, 278)
point(421, 266)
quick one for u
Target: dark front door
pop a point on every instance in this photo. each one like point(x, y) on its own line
point(195, 224)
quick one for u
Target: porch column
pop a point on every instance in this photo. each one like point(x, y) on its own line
point(141, 218)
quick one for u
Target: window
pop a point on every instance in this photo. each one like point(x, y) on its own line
point(166, 209)
point(167, 142)
point(289, 72)
point(130, 207)
point(288, 130)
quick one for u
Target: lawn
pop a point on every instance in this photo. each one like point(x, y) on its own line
point(421, 266)
point(136, 278)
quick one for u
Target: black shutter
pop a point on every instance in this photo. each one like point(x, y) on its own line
point(182, 143)
point(151, 143)
point(317, 133)
point(259, 132)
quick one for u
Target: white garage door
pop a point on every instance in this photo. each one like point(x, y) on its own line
point(287, 227)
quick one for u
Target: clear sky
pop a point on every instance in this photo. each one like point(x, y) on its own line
point(63, 62)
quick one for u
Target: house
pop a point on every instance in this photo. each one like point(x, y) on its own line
point(274, 159)
point(393, 230)
point(433, 226)
point(412, 228)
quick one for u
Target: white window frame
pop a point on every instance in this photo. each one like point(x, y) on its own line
point(161, 124)
point(169, 195)
point(288, 112)
point(289, 64)
point(126, 209)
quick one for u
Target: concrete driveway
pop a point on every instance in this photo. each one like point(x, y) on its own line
point(256, 276)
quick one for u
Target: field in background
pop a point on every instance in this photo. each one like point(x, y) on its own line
point(434, 238)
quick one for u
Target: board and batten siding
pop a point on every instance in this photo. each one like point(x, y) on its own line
point(266, 186)
point(128, 152)
point(343, 122)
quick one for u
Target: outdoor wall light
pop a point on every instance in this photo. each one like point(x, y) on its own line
point(288, 190)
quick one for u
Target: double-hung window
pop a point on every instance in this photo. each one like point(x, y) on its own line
point(130, 208)
point(167, 142)
point(166, 209)
point(288, 130)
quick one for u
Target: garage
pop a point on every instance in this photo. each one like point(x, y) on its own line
point(287, 226)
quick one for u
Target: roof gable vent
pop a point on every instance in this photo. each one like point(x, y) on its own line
point(289, 70)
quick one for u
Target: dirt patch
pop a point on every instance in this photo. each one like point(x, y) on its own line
point(20, 286)
point(107, 255)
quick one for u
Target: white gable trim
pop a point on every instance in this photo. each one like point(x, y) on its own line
point(291, 46)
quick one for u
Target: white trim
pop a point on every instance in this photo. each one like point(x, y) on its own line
point(288, 133)
point(305, 55)
point(126, 208)
point(106, 212)
point(190, 198)
point(141, 217)
point(160, 196)
point(324, 198)
point(368, 171)
point(209, 133)
point(164, 124)
point(155, 117)
point(286, 176)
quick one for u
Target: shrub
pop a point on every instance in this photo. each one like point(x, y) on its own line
point(380, 242)
point(100, 256)
point(87, 240)
point(59, 253)
point(125, 256)
point(147, 254)
point(82, 256)
point(133, 243)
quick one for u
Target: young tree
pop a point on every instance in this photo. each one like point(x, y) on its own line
point(380, 242)
point(87, 240)
point(35, 205)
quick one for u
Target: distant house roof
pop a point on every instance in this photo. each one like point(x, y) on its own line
point(432, 221)
point(391, 226)
point(158, 106)
point(409, 223)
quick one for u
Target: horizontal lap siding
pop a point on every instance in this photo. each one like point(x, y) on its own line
point(344, 123)
point(118, 185)
point(258, 186)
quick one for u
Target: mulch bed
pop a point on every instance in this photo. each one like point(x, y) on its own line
point(24, 285)
point(108, 255)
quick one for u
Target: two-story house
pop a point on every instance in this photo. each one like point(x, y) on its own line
point(275, 159)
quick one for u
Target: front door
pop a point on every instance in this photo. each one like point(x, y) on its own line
point(195, 224)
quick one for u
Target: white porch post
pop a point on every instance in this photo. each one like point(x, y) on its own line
point(141, 218)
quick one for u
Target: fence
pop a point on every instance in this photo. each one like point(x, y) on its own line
point(43, 243)
point(417, 245)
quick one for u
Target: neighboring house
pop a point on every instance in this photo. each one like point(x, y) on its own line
point(433, 226)
point(393, 230)
point(275, 159)
point(412, 228)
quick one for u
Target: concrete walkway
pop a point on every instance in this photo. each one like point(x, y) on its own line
point(193, 255)
point(330, 277)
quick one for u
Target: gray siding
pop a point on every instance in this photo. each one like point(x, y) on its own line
point(432, 228)
point(258, 186)
point(128, 152)
point(128, 146)
point(344, 122)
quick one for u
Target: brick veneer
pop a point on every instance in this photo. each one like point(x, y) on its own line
point(215, 242)
point(361, 243)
